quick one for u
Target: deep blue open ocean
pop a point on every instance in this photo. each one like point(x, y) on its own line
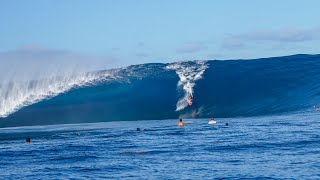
point(274, 147)
point(83, 125)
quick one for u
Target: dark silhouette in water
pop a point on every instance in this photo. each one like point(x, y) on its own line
point(28, 140)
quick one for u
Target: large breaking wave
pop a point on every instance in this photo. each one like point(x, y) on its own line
point(160, 91)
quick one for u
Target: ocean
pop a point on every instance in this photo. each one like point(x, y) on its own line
point(269, 147)
point(83, 126)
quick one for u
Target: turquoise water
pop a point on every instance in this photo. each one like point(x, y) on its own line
point(286, 146)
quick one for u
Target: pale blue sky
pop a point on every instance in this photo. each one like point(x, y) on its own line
point(162, 31)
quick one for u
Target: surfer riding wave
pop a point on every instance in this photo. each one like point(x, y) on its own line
point(190, 100)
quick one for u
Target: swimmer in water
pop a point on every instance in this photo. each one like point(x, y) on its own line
point(28, 140)
point(180, 123)
point(138, 129)
point(212, 121)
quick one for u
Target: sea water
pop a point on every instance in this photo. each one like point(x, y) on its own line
point(275, 147)
point(219, 89)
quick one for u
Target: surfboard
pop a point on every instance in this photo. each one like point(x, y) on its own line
point(212, 122)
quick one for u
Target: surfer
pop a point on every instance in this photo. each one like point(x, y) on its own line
point(212, 121)
point(28, 140)
point(190, 100)
point(180, 123)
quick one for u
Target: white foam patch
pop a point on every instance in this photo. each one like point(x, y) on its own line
point(188, 75)
point(15, 95)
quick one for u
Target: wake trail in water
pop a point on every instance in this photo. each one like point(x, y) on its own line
point(188, 75)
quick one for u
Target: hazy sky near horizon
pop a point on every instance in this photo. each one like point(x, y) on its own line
point(131, 32)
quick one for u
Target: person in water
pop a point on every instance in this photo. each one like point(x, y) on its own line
point(138, 129)
point(180, 123)
point(28, 140)
point(212, 121)
point(226, 124)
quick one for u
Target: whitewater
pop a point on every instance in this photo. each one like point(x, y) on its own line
point(15, 95)
point(188, 76)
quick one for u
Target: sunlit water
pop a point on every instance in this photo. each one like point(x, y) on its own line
point(286, 146)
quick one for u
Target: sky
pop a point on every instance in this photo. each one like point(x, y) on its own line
point(111, 33)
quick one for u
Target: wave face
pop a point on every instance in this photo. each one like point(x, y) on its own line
point(160, 91)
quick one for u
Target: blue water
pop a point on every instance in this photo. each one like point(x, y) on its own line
point(276, 147)
point(151, 91)
point(269, 104)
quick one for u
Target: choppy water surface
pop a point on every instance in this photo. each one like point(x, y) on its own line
point(285, 146)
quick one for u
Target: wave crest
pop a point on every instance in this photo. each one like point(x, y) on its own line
point(15, 95)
